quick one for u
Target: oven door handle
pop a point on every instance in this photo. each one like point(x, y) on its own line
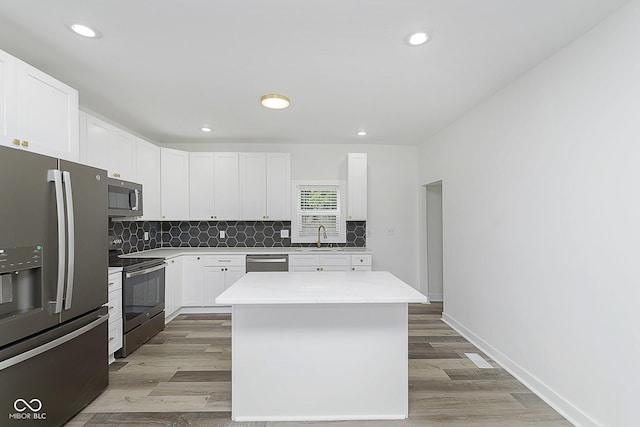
point(146, 270)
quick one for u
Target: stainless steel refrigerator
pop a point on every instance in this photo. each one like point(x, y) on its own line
point(53, 285)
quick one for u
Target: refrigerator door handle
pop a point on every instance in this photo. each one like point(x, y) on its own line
point(55, 176)
point(51, 344)
point(66, 179)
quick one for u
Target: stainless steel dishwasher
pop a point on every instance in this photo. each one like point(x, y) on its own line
point(267, 262)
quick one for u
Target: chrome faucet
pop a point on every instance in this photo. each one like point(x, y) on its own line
point(325, 235)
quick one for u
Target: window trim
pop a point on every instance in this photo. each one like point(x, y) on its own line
point(342, 213)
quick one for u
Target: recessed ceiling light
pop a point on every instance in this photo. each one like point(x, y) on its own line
point(361, 133)
point(84, 31)
point(418, 38)
point(205, 129)
point(275, 101)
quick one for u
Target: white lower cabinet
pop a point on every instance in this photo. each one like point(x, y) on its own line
point(361, 262)
point(115, 313)
point(173, 287)
point(206, 277)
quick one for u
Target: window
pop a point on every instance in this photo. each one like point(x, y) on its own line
point(318, 204)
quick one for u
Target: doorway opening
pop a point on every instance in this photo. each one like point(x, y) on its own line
point(433, 254)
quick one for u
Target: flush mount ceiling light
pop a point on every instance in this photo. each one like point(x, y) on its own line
point(418, 38)
point(275, 101)
point(361, 133)
point(84, 30)
point(205, 129)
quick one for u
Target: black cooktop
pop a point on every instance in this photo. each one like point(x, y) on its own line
point(133, 263)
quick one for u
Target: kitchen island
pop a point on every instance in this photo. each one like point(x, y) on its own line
point(319, 346)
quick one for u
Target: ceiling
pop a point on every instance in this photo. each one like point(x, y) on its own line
point(165, 68)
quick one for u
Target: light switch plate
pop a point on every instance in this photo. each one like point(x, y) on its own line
point(284, 234)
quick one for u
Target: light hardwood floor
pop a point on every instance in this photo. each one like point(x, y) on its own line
point(182, 377)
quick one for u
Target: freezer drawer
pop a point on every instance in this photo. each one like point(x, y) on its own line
point(48, 379)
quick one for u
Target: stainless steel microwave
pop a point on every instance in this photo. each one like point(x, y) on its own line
point(125, 198)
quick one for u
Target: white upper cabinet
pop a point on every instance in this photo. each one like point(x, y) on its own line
point(148, 174)
point(39, 113)
point(174, 184)
point(357, 187)
point(8, 102)
point(201, 186)
point(122, 155)
point(107, 147)
point(265, 186)
point(226, 186)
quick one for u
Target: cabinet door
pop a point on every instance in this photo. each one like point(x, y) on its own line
point(226, 186)
point(214, 284)
point(95, 142)
point(122, 155)
point(173, 285)
point(148, 174)
point(201, 186)
point(47, 117)
point(8, 101)
point(174, 184)
point(192, 280)
point(303, 268)
point(253, 186)
point(233, 274)
point(278, 181)
point(357, 187)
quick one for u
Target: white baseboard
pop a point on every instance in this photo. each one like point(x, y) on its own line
point(544, 392)
point(223, 309)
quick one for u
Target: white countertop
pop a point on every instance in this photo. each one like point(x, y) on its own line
point(328, 287)
point(174, 252)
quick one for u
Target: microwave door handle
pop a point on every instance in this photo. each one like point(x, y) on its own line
point(66, 180)
point(133, 200)
point(55, 176)
point(137, 193)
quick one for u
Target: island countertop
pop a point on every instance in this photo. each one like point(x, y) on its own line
point(329, 287)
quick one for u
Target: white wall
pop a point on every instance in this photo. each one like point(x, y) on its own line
point(541, 205)
point(392, 221)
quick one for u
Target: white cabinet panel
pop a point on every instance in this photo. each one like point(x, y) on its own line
point(174, 184)
point(329, 262)
point(8, 101)
point(357, 187)
point(94, 141)
point(38, 112)
point(201, 186)
point(214, 284)
point(253, 186)
point(173, 286)
point(265, 186)
point(226, 183)
point(122, 155)
point(148, 174)
point(192, 279)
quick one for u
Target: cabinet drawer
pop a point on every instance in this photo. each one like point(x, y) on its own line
point(360, 260)
point(222, 261)
point(304, 260)
point(115, 305)
point(114, 282)
point(115, 336)
point(335, 259)
point(360, 268)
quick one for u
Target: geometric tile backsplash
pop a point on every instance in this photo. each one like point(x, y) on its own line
point(175, 234)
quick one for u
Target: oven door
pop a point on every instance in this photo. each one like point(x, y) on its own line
point(143, 295)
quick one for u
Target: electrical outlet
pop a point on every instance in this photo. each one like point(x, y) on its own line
point(391, 232)
point(284, 234)
point(223, 234)
point(146, 235)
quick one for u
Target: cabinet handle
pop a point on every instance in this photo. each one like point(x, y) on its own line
point(16, 142)
point(215, 217)
point(111, 307)
point(349, 216)
point(117, 175)
point(353, 269)
point(110, 284)
point(25, 143)
point(112, 338)
point(361, 260)
point(198, 258)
